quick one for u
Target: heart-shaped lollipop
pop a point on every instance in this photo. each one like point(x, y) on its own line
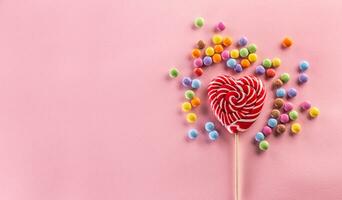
point(236, 102)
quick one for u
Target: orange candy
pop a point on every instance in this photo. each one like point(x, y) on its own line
point(287, 42)
point(196, 53)
point(227, 41)
point(195, 101)
point(245, 63)
point(216, 58)
point(218, 48)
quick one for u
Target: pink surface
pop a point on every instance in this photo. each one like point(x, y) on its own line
point(87, 111)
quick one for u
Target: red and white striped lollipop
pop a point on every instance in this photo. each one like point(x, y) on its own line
point(236, 102)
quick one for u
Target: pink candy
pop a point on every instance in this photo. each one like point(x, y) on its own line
point(305, 105)
point(198, 62)
point(284, 118)
point(288, 106)
point(220, 26)
point(267, 131)
point(225, 55)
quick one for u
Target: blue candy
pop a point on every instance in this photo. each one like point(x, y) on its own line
point(303, 65)
point(186, 81)
point(291, 92)
point(209, 126)
point(272, 122)
point(231, 63)
point(238, 68)
point(192, 134)
point(196, 83)
point(213, 135)
point(281, 92)
point(259, 136)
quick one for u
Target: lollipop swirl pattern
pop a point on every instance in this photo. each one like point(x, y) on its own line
point(236, 102)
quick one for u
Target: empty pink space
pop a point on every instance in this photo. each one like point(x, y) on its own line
point(87, 110)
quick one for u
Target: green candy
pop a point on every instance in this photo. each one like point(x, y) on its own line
point(199, 22)
point(173, 73)
point(263, 145)
point(252, 48)
point(293, 115)
point(285, 77)
point(267, 63)
point(189, 94)
point(244, 52)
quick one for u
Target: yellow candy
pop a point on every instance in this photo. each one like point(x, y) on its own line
point(296, 128)
point(234, 53)
point(191, 117)
point(276, 62)
point(314, 112)
point(209, 51)
point(217, 39)
point(186, 106)
point(252, 57)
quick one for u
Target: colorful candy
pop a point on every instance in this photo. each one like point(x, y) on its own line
point(199, 22)
point(218, 48)
point(209, 51)
point(186, 81)
point(243, 41)
point(276, 62)
point(216, 58)
point(173, 73)
point(280, 128)
point(287, 42)
point(225, 55)
point(220, 26)
point(191, 117)
point(231, 63)
point(244, 52)
point(207, 60)
point(285, 77)
point(284, 118)
point(275, 113)
point(186, 107)
point(303, 78)
point(277, 83)
point(259, 137)
point(234, 53)
point(267, 63)
point(288, 106)
point(227, 41)
point(198, 71)
point(195, 102)
point(217, 39)
point(252, 57)
point(245, 63)
point(238, 68)
point(196, 53)
point(270, 73)
point(198, 62)
point(263, 145)
point(278, 103)
point(209, 126)
point(281, 92)
point(189, 94)
point(266, 131)
point(192, 134)
point(200, 44)
point(260, 70)
point(213, 135)
point(314, 112)
point(196, 83)
point(292, 92)
point(272, 122)
point(293, 115)
point(305, 105)
point(303, 65)
point(296, 128)
point(252, 48)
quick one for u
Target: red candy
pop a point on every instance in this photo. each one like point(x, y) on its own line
point(198, 71)
point(270, 73)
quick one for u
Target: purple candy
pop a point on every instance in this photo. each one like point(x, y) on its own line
point(303, 78)
point(284, 118)
point(260, 70)
point(220, 26)
point(238, 68)
point(207, 60)
point(186, 81)
point(242, 41)
point(267, 131)
point(225, 55)
point(305, 105)
point(288, 106)
point(292, 93)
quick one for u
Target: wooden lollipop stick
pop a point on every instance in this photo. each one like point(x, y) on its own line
point(237, 167)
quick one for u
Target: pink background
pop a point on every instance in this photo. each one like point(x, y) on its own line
point(87, 111)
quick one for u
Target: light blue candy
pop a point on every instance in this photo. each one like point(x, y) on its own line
point(213, 135)
point(196, 83)
point(259, 136)
point(272, 122)
point(303, 65)
point(231, 63)
point(209, 126)
point(192, 134)
point(281, 92)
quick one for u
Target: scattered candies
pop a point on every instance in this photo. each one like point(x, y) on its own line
point(277, 83)
point(252, 48)
point(280, 128)
point(209, 126)
point(270, 73)
point(209, 51)
point(238, 68)
point(192, 134)
point(199, 22)
point(186, 106)
point(218, 48)
point(293, 115)
point(173, 73)
point(263, 145)
point(244, 52)
point(260, 70)
point(267, 131)
point(198, 62)
point(234, 53)
point(191, 117)
point(296, 128)
point(275, 113)
point(252, 57)
point(186, 81)
point(243, 41)
point(276, 62)
point(227, 41)
point(196, 53)
point(287, 42)
point(284, 118)
point(267, 63)
point(259, 137)
point(314, 112)
point(278, 103)
point(303, 65)
point(213, 135)
point(220, 26)
point(225, 55)
point(189, 94)
point(195, 101)
point(303, 78)
point(305, 105)
point(272, 122)
point(245, 63)
point(207, 60)
point(217, 39)
point(200, 44)
point(281, 92)
point(196, 83)
point(231, 63)
point(291, 92)
point(288, 106)
point(216, 58)
point(285, 77)
point(198, 71)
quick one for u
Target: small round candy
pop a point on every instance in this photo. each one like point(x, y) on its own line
point(186, 81)
point(260, 70)
point(285, 77)
point(292, 92)
point(293, 115)
point(213, 135)
point(186, 107)
point(216, 58)
point(270, 73)
point(259, 136)
point(252, 48)
point(238, 68)
point(199, 22)
point(207, 60)
point(217, 39)
point(296, 128)
point(276, 62)
point(252, 57)
point(200, 44)
point(189, 94)
point(218, 48)
point(243, 41)
point(173, 73)
point(209, 126)
point(196, 83)
point(281, 92)
point(305, 105)
point(314, 112)
point(288, 106)
point(231, 63)
point(303, 65)
point(267, 63)
point(225, 55)
point(263, 145)
point(278, 103)
point(267, 131)
point(196, 53)
point(220, 26)
point(198, 71)
point(277, 83)
point(272, 122)
point(275, 113)
point(280, 128)
point(209, 51)
point(234, 53)
point(191, 117)
point(227, 41)
point(245, 63)
point(287, 42)
point(303, 78)
point(244, 52)
point(284, 118)
point(195, 102)
point(198, 62)
point(192, 134)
